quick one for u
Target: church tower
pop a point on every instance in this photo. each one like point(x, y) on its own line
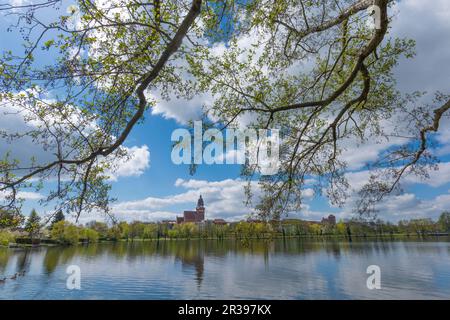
point(200, 209)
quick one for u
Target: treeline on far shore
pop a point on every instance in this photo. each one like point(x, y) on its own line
point(60, 231)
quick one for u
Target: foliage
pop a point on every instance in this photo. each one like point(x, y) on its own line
point(89, 235)
point(315, 229)
point(124, 229)
point(6, 237)
point(110, 60)
point(341, 228)
point(33, 224)
point(444, 221)
point(136, 229)
point(422, 226)
point(65, 232)
point(10, 219)
point(59, 216)
point(100, 228)
point(150, 231)
point(114, 233)
point(68, 233)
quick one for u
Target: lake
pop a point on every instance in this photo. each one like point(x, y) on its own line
point(228, 269)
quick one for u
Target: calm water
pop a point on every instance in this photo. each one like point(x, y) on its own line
point(291, 269)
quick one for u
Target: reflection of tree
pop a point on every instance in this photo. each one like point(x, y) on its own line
point(55, 256)
point(91, 250)
point(194, 252)
point(334, 248)
point(24, 259)
point(51, 259)
point(4, 257)
point(192, 256)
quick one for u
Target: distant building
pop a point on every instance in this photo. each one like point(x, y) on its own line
point(194, 216)
point(168, 222)
point(331, 219)
point(219, 222)
point(251, 220)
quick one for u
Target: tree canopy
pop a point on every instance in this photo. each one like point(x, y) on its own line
point(59, 216)
point(33, 224)
point(312, 68)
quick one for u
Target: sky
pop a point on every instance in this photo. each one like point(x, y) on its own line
point(149, 187)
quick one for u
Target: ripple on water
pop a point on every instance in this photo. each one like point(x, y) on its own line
point(291, 269)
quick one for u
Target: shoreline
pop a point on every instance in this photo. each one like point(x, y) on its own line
point(243, 239)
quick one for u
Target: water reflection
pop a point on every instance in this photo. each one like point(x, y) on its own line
point(289, 268)
point(192, 258)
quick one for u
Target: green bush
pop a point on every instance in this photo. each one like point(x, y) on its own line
point(90, 235)
point(71, 234)
point(65, 232)
point(6, 238)
point(172, 234)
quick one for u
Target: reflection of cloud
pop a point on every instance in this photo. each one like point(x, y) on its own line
point(289, 269)
point(407, 270)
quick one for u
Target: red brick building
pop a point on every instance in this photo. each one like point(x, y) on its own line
point(194, 216)
point(331, 219)
point(221, 222)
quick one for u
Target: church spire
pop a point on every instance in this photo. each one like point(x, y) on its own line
point(200, 203)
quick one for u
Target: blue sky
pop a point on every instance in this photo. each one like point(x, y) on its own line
point(150, 187)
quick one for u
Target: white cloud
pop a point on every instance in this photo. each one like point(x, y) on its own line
point(200, 184)
point(407, 205)
point(14, 119)
point(428, 23)
point(223, 199)
point(437, 178)
point(18, 3)
point(129, 216)
point(401, 206)
point(442, 151)
point(25, 195)
point(132, 166)
point(358, 155)
point(428, 71)
point(180, 109)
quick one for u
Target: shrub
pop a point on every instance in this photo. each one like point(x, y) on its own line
point(33, 241)
point(114, 233)
point(6, 238)
point(65, 232)
point(89, 235)
point(172, 234)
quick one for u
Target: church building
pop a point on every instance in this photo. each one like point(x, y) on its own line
point(194, 216)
